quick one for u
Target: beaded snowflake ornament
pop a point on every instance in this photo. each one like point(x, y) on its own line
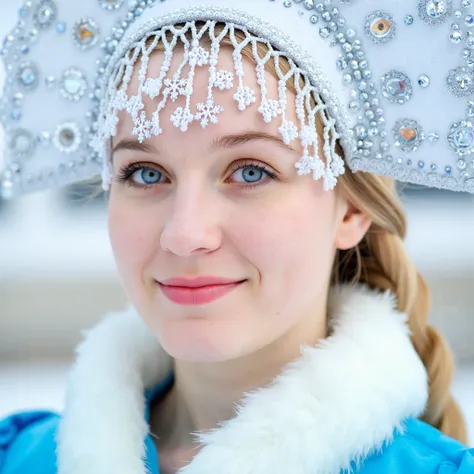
point(391, 81)
point(168, 88)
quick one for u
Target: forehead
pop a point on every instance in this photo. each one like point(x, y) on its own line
point(224, 107)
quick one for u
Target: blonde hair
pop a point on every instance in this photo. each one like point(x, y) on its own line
point(381, 262)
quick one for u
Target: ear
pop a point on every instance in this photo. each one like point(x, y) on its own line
point(353, 226)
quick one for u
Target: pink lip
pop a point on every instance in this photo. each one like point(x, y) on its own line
point(197, 291)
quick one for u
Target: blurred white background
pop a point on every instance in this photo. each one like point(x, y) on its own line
point(57, 277)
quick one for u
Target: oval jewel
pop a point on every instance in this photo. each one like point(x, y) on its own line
point(86, 33)
point(464, 138)
point(396, 87)
point(408, 135)
point(74, 84)
point(436, 8)
point(381, 27)
point(45, 14)
point(28, 76)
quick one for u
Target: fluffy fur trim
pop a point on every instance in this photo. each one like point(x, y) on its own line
point(342, 400)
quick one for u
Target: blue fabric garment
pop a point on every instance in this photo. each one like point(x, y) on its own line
point(27, 446)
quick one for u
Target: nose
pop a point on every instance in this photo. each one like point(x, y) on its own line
point(191, 227)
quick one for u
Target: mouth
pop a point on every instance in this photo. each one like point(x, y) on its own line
point(199, 291)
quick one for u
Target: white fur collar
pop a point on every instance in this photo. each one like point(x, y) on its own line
point(341, 400)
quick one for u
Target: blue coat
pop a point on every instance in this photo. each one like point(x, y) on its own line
point(27, 446)
point(338, 404)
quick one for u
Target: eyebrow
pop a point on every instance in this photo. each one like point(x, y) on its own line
point(225, 142)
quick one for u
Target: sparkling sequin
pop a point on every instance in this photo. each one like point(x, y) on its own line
point(28, 76)
point(73, 84)
point(461, 138)
point(67, 138)
point(424, 81)
point(50, 82)
point(455, 37)
point(408, 134)
point(111, 4)
point(45, 14)
point(86, 33)
point(396, 87)
point(380, 27)
point(434, 12)
point(460, 81)
point(61, 28)
point(21, 143)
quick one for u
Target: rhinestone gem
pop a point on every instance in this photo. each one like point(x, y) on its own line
point(50, 82)
point(67, 138)
point(28, 76)
point(111, 4)
point(380, 27)
point(409, 20)
point(86, 33)
point(424, 81)
point(22, 143)
point(461, 138)
point(73, 84)
point(470, 108)
point(45, 14)
point(44, 139)
point(396, 87)
point(460, 81)
point(61, 27)
point(434, 12)
point(408, 134)
point(324, 32)
point(455, 37)
point(461, 164)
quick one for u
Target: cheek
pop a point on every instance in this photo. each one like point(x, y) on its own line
point(292, 249)
point(287, 235)
point(134, 236)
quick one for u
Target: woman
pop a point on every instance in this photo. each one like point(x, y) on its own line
point(276, 322)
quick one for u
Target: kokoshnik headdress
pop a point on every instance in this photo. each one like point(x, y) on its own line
point(392, 81)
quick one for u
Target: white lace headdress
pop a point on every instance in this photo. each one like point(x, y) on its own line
point(392, 81)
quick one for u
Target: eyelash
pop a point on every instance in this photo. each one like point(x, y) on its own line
point(125, 174)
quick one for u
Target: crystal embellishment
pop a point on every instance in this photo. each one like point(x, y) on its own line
point(111, 5)
point(45, 14)
point(67, 138)
point(461, 138)
point(424, 81)
point(396, 87)
point(73, 84)
point(460, 81)
point(435, 12)
point(86, 33)
point(380, 27)
point(22, 143)
point(408, 135)
point(28, 76)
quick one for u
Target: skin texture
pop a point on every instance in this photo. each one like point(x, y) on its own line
point(205, 218)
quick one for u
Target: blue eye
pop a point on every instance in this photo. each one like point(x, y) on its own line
point(251, 174)
point(146, 176)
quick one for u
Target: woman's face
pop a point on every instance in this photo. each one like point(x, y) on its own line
point(222, 202)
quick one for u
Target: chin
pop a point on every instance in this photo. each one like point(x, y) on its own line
point(197, 341)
